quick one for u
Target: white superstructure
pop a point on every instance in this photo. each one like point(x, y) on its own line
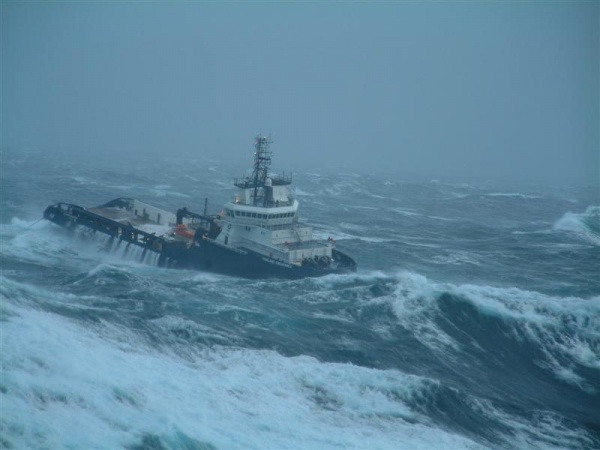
point(263, 217)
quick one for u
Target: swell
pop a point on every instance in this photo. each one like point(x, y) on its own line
point(113, 380)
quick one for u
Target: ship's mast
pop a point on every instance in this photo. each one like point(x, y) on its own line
point(260, 184)
point(262, 162)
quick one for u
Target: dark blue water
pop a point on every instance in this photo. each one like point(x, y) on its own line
point(473, 321)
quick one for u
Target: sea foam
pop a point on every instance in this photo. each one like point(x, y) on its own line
point(69, 386)
point(586, 225)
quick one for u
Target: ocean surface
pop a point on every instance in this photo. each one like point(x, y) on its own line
point(473, 321)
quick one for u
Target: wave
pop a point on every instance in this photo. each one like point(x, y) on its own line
point(514, 195)
point(33, 242)
point(406, 212)
point(164, 191)
point(43, 243)
point(341, 236)
point(87, 181)
point(456, 258)
point(65, 385)
point(500, 195)
point(72, 384)
point(586, 225)
point(553, 336)
point(558, 333)
point(301, 193)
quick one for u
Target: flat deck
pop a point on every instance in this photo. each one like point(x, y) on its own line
point(118, 215)
point(125, 217)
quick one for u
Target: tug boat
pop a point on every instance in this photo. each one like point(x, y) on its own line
point(257, 235)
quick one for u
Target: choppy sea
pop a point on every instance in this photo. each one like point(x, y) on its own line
point(473, 321)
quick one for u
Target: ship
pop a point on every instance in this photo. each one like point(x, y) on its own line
point(257, 234)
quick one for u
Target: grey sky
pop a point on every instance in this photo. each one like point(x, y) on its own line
point(466, 88)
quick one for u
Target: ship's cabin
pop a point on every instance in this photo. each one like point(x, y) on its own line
point(263, 217)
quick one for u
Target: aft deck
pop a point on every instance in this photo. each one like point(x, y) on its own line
point(119, 215)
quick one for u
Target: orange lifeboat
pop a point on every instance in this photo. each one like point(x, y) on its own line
point(182, 231)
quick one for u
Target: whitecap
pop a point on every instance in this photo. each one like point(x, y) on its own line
point(559, 326)
point(301, 193)
point(586, 225)
point(514, 194)
point(405, 212)
point(70, 386)
point(456, 258)
point(340, 236)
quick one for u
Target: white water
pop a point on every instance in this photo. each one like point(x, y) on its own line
point(586, 224)
point(112, 388)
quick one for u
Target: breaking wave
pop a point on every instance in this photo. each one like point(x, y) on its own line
point(555, 335)
point(586, 225)
point(115, 388)
point(118, 381)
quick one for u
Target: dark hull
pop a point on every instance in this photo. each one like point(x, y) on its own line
point(203, 254)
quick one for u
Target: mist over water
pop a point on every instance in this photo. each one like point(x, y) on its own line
point(501, 90)
point(471, 322)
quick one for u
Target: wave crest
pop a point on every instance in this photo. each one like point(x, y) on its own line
point(586, 225)
point(556, 333)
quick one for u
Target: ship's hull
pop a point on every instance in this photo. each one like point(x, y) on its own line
point(202, 254)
